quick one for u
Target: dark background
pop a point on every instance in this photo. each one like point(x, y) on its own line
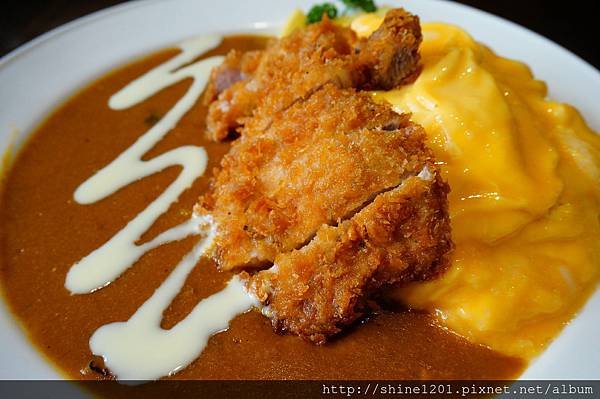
point(573, 24)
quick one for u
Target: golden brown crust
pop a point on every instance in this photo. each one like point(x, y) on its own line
point(403, 235)
point(316, 163)
point(292, 68)
point(391, 54)
point(236, 66)
point(338, 191)
point(289, 69)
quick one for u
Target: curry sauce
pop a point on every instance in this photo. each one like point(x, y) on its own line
point(44, 232)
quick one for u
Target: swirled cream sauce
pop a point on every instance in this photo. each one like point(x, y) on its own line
point(139, 349)
point(101, 258)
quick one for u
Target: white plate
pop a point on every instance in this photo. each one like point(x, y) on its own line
point(38, 76)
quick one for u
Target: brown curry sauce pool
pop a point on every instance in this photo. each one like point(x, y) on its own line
point(44, 232)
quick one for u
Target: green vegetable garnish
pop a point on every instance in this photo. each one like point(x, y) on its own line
point(365, 5)
point(316, 12)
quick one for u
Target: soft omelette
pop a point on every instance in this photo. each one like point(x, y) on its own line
point(524, 173)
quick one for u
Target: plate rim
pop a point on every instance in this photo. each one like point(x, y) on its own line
point(108, 12)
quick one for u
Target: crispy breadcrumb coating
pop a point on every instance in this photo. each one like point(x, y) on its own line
point(403, 235)
point(290, 69)
point(317, 162)
point(390, 57)
point(335, 195)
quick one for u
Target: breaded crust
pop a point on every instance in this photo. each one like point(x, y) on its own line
point(335, 195)
point(289, 69)
point(403, 235)
point(390, 57)
point(317, 163)
point(292, 68)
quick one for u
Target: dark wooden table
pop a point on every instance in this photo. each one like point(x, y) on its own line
point(572, 24)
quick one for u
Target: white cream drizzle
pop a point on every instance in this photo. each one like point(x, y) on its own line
point(139, 349)
point(106, 263)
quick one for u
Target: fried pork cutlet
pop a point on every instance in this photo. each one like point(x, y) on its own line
point(341, 194)
point(335, 195)
point(318, 162)
point(403, 235)
point(390, 56)
point(290, 69)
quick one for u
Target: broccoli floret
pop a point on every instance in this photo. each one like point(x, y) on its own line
point(365, 5)
point(315, 14)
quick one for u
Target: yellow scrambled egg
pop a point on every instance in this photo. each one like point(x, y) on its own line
point(524, 174)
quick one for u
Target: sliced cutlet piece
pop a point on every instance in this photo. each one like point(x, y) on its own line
point(318, 162)
point(390, 57)
point(237, 66)
point(289, 69)
point(403, 235)
point(293, 67)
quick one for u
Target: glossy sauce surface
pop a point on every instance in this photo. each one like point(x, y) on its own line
point(44, 232)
